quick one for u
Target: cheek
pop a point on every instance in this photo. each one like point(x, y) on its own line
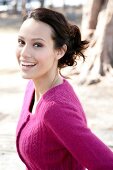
point(44, 56)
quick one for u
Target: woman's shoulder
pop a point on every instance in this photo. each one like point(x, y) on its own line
point(63, 101)
point(62, 97)
point(63, 94)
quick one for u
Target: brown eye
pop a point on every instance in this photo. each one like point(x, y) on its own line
point(37, 45)
point(21, 42)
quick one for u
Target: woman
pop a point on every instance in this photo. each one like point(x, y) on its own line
point(52, 132)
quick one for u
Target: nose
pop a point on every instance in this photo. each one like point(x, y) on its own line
point(25, 52)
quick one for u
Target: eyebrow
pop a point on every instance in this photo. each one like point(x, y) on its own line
point(33, 39)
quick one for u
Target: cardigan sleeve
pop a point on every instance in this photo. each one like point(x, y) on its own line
point(69, 127)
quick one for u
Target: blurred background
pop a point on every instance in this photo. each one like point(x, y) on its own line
point(92, 80)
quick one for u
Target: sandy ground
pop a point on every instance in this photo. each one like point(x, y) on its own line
point(97, 100)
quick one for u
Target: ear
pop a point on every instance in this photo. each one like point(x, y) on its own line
point(61, 51)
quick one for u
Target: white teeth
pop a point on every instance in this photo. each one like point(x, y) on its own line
point(27, 64)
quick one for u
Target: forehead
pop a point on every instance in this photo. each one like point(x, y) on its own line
point(32, 28)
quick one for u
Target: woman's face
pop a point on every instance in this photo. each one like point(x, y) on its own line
point(35, 51)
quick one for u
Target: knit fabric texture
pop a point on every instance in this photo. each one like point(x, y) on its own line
point(56, 136)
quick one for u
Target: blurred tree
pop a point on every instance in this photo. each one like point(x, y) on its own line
point(4, 2)
point(97, 27)
point(42, 2)
point(14, 6)
point(23, 12)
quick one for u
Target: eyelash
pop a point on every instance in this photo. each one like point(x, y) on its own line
point(22, 43)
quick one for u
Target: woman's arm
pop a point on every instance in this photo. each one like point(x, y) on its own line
point(70, 128)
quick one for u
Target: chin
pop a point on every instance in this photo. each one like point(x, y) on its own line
point(24, 76)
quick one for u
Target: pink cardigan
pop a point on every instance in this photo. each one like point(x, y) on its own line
point(56, 137)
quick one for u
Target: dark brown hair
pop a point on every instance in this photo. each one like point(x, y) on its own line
point(64, 33)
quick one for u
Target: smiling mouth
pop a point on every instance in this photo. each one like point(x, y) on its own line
point(27, 65)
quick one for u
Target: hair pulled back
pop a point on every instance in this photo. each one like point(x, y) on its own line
point(64, 33)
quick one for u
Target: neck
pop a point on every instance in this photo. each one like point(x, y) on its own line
point(43, 85)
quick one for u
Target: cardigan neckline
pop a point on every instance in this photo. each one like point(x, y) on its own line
point(46, 95)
